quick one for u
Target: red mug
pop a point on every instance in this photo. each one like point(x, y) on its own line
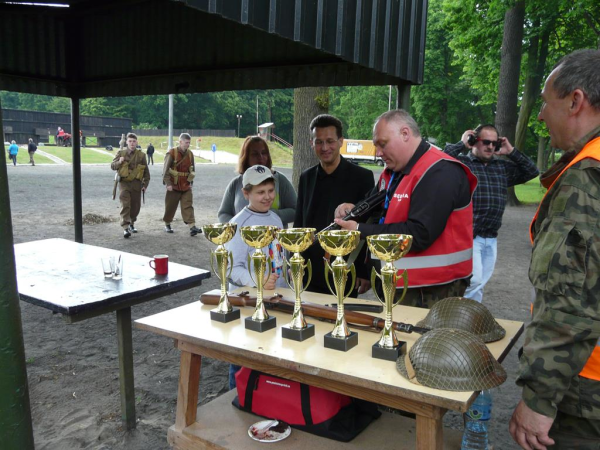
point(161, 264)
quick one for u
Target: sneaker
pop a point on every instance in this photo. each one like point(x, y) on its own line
point(132, 228)
point(168, 229)
point(126, 233)
point(194, 231)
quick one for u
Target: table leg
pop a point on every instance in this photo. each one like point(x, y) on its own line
point(429, 433)
point(126, 367)
point(187, 393)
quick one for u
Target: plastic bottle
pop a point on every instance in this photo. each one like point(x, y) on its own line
point(476, 419)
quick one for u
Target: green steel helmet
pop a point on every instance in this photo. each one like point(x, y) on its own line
point(464, 314)
point(452, 360)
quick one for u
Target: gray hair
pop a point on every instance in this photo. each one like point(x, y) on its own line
point(400, 117)
point(13, 142)
point(185, 136)
point(579, 70)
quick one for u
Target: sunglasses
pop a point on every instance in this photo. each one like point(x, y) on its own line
point(487, 142)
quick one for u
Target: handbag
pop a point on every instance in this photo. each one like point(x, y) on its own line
point(307, 408)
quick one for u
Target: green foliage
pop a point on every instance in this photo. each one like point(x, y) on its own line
point(358, 107)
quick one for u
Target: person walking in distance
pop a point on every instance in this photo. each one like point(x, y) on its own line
point(150, 153)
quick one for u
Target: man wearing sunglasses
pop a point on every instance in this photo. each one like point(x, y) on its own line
point(494, 176)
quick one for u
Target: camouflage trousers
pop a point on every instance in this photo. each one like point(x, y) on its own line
point(426, 297)
point(570, 432)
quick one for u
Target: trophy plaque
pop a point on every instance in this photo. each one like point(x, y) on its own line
point(258, 236)
point(297, 240)
point(339, 243)
point(220, 234)
point(389, 248)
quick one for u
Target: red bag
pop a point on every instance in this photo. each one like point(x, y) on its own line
point(307, 408)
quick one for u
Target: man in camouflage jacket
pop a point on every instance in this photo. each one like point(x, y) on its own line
point(133, 177)
point(560, 406)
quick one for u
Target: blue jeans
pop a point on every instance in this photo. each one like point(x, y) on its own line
point(484, 260)
point(232, 371)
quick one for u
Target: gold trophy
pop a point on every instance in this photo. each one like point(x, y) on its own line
point(339, 243)
point(257, 236)
point(389, 248)
point(220, 234)
point(297, 240)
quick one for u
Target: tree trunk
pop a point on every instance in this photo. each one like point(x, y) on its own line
point(510, 67)
point(308, 103)
point(542, 154)
point(538, 52)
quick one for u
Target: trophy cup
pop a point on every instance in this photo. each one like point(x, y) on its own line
point(389, 248)
point(297, 240)
point(257, 236)
point(339, 243)
point(219, 234)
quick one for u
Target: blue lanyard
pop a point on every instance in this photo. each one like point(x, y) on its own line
point(387, 198)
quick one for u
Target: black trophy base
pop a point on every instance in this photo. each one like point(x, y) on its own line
point(298, 335)
point(389, 354)
point(260, 325)
point(341, 344)
point(225, 317)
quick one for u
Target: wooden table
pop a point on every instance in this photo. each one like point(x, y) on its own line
point(353, 373)
point(66, 277)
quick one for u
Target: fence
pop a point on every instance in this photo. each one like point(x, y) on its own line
point(193, 133)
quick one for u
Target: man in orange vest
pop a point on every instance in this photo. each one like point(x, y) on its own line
point(560, 361)
point(178, 175)
point(429, 197)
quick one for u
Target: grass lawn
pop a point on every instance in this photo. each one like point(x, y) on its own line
point(88, 156)
point(530, 192)
point(23, 158)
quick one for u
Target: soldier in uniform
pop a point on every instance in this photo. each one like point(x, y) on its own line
point(178, 175)
point(132, 177)
point(560, 361)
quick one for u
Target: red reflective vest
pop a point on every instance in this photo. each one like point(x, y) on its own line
point(591, 150)
point(450, 257)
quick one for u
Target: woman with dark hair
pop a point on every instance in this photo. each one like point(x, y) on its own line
point(255, 151)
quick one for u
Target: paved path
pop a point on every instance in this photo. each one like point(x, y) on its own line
point(220, 156)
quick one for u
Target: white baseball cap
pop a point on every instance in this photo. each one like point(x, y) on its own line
point(255, 175)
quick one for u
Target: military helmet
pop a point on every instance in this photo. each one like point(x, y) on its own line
point(452, 360)
point(464, 314)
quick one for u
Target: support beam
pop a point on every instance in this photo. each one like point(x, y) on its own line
point(76, 143)
point(403, 98)
point(15, 413)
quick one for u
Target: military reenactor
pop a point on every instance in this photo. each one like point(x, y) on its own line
point(178, 175)
point(132, 177)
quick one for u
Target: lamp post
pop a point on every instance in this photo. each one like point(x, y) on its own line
point(239, 117)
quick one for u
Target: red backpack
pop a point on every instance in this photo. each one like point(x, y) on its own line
point(307, 408)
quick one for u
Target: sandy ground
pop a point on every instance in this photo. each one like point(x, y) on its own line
point(73, 369)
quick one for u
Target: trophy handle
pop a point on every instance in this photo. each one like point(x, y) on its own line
point(374, 276)
point(212, 266)
point(285, 273)
point(309, 266)
point(327, 270)
point(249, 259)
point(268, 272)
point(353, 272)
point(405, 279)
point(230, 259)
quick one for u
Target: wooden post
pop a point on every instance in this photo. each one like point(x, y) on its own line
point(76, 146)
point(126, 367)
point(187, 393)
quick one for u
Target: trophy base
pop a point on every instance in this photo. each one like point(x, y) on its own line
point(298, 335)
point(341, 344)
point(260, 325)
point(389, 354)
point(234, 314)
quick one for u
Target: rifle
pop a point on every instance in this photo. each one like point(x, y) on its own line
point(279, 303)
point(361, 209)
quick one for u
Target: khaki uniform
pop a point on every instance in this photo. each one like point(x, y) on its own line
point(179, 172)
point(134, 175)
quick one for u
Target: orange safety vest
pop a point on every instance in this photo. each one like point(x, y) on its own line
point(450, 257)
point(591, 150)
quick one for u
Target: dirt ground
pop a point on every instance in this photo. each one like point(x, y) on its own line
point(73, 369)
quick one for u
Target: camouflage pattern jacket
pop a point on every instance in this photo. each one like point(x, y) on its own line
point(564, 269)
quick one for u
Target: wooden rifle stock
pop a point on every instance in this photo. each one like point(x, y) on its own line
point(279, 303)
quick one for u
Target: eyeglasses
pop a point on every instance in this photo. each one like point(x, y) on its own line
point(487, 142)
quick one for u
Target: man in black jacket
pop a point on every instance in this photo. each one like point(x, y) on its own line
point(322, 188)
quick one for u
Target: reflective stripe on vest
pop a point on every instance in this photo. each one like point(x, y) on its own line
point(591, 370)
point(449, 257)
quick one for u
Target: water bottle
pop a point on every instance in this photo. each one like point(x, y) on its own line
point(476, 419)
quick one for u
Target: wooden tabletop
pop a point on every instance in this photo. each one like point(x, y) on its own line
point(191, 323)
point(67, 277)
